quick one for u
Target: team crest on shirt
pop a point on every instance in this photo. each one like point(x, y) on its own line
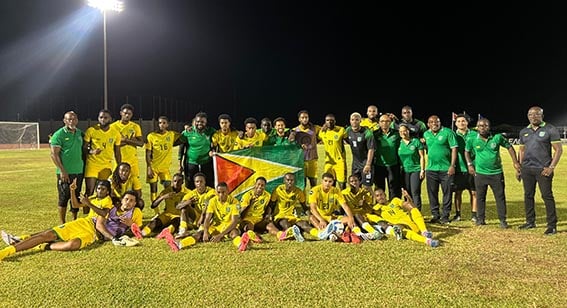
point(493, 145)
point(359, 139)
point(110, 140)
point(541, 134)
point(167, 138)
point(412, 147)
point(336, 137)
point(440, 138)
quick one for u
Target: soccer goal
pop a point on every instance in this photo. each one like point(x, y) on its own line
point(19, 135)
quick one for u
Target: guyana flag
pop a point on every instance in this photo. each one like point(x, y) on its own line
point(240, 168)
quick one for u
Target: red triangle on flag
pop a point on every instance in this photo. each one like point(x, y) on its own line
point(232, 173)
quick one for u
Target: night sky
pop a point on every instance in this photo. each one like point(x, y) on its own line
point(274, 58)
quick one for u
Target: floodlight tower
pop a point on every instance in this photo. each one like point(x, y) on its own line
point(103, 6)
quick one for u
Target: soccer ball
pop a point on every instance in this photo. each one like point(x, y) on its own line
point(338, 227)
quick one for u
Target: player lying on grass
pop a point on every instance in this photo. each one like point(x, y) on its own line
point(82, 232)
point(405, 215)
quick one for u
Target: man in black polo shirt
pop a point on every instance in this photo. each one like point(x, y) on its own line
point(538, 164)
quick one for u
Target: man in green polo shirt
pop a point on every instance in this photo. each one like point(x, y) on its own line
point(386, 161)
point(487, 169)
point(66, 146)
point(441, 163)
point(195, 151)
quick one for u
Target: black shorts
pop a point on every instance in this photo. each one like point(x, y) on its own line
point(64, 192)
point(463, 181)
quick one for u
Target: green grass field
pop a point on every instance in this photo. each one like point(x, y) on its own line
point(474, 267)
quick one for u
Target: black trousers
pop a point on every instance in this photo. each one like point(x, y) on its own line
point(434, 180)
point(531, 176)
point(497, 184)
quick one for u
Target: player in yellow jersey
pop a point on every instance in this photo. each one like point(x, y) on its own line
point(221, 219)
point(169, 217)
point(404, 214)
point(131, 134)
point(325, 200)
point(251, 137)
point(159, 146)
point(285, 222)
point(73, 235)
point(305, 134)
point(255, 211)
point(122, 181)
point(102, 145)
point(333, 138)
point(224, 139)
point(193, 205)
point(360, 201)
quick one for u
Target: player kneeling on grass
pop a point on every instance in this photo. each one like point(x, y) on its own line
point(324, 200)
point(169, 218)
point(285, 224)
point(82, 232)
point(255, 212)
point(359, 199)
point(405, 215)
point(221, 219)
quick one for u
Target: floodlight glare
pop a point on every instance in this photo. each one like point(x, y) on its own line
point(107, 5)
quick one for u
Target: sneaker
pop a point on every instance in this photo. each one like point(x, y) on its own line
point(174, 245)
point(473, 219)
point(297, 234)
point(371, 236)
point(136, 231)
point(163, 234)
point(398, 232)
point(456, 218)
point(283, 236)
point(444, 221)
point(432, 243)
point(550, 231)
point(527, 226)
point(244, 240)
point(427, 234)
point(10, 239)
point(345, 237)
point(503, 225)
point(328, 230)
point(355, 239)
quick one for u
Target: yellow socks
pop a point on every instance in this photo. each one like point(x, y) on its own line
point(356, 230)
point(146, 231)
point(6, 252)
point(314, 232)
point(368, 228)
point(411, 235)
point(186, 242)
point(417, 218)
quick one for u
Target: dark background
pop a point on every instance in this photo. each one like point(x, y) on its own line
point(274, 58)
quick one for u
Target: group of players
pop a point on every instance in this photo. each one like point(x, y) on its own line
point(386, 151)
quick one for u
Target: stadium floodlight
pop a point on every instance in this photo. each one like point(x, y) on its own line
point(103, 6)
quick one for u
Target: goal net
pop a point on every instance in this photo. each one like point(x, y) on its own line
point(19, 135)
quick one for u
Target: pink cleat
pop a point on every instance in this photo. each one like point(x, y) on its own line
point(136, 231)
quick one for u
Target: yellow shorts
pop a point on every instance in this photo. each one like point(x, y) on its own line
point(166, 218)
point(252, 220)
point(159, 174)
point(98, 171)
point(291, 218)
point(214, 230)
point(337, 170)
point(82, 229)
point(310, 168)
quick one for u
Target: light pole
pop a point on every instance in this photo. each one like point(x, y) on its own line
point(103, 6)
